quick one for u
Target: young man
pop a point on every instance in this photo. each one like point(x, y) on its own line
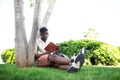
point(47, 58)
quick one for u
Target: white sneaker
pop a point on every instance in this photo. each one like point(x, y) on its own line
point(77, 61)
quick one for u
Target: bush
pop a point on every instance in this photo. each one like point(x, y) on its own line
point(71, 47)
point(8, 56)
point(107, 54)
point(97, 52)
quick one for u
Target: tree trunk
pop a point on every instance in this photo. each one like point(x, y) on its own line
point(48, 13)
point(31, 45)
point(24, 51)
point(20, 36)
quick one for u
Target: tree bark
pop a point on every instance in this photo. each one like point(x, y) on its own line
point(24, 51)
point(20, 36)
point(48, 13)
point(31, 45)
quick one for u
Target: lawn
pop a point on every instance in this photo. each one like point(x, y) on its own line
point(11, 72)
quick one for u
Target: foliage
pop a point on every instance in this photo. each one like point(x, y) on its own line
point(119, 48)
point(75, 46)
point(31, 3)
point(91, 34)
point(97, 52)
point(107, 54)
point(11, 72)
point(8, 56)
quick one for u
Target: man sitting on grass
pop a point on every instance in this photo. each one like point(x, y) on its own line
point(48, 58)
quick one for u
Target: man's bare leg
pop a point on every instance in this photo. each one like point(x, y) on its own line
point(58, 59)
point(64, 67)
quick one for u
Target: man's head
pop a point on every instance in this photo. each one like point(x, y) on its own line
point(43, 33)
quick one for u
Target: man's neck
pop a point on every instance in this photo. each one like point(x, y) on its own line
point(43, 40)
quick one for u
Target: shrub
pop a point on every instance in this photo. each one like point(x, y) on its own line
point(107, 54)
point(71, 46)
point(8, 56)
point(97, 52)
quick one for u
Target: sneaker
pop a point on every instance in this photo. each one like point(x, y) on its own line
point(77, 61)
point(82, 56)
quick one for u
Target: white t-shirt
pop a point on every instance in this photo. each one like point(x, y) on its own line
point(40, 45)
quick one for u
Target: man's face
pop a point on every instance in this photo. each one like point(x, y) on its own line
point(44, 35)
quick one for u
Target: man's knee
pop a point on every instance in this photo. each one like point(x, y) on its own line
point(52, 57)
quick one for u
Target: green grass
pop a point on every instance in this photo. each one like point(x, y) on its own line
point(11, 72)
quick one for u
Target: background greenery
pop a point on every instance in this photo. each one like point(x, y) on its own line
point(8, 56)
point(98, 53)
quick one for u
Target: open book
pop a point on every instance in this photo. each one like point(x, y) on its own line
point(51, 47)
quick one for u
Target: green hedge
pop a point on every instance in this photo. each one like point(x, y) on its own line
point(97, 52)
point(8, 56)
point(75, 46)
point(107, 54)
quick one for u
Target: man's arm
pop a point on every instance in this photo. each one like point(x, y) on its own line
point(38, 54)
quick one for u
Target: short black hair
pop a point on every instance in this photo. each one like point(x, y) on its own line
point(43, 29)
